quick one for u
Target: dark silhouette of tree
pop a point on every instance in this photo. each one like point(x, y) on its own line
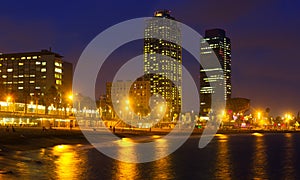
point(268, 110)
point(52, 96)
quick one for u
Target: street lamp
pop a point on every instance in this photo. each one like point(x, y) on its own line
point(8, 99)
point(288, 117)
point(258, 115)
point(70, 98)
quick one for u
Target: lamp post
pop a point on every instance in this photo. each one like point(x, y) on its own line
point(8, 99)
point(70, 99)
point(288, 117)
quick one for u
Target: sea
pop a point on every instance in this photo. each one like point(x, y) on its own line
point(227, 156)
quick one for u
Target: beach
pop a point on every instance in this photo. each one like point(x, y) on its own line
point(27, 138)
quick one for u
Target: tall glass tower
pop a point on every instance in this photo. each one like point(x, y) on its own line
point(163, 60)
point(215, 41)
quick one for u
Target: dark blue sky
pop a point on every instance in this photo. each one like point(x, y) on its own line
point(264, 34)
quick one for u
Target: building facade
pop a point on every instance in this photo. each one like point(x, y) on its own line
point(127, 97)
point(215, 41)
point(163, 59)
point(34, 76)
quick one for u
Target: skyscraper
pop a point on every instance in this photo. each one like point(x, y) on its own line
point(163, 59)
point(215, 41)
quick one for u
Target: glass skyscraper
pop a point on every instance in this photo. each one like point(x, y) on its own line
point(163, 59)
point(215, 41)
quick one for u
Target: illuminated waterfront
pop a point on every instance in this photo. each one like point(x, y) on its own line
point(235, 156)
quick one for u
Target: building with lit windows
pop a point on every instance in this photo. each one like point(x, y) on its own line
point(163, 59)
point(215, 41)
point(139, 96)
point(30, 75)
point(127, 97)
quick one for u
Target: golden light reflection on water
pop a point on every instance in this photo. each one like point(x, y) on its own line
point(127, 152)
point(223, 165)
point(67, 164)
point(221, 136)
point(260, 158)
point(289, 169)
point(162, 166)
point(124, 170)
point(257, 134)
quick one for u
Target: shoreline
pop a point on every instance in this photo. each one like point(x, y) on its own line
point(24, 139)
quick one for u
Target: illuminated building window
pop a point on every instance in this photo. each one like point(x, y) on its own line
point(21, 75)
point(58, 64)
point(34, 57)
point(37, 62)
point(58, 82)
point(37, 87)
point(58, 70)
point(43, 70)
point(21, 64)
point(9, 70)
point(44, 63)
point(20, 87)
point(21, 82)
point(58, 76)
point(23, 58)
point(28, 57)
point(4, 76)
point(31, 75)
point(31, 82)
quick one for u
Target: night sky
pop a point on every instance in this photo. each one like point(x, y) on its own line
point(264, 34)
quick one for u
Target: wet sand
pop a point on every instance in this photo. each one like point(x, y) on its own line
point(25, 138)
point(34, 138)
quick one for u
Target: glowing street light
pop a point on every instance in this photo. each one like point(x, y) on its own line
point(288, 118)
point(258, 115)
point(162, 108)
point(70, 97)
point(8, 98)
point(127, 101)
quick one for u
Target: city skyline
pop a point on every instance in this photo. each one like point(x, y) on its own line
point(150, 89)
point(264, 36)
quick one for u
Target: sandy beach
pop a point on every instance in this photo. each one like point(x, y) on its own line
point(29, 138)
point(25, 138)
